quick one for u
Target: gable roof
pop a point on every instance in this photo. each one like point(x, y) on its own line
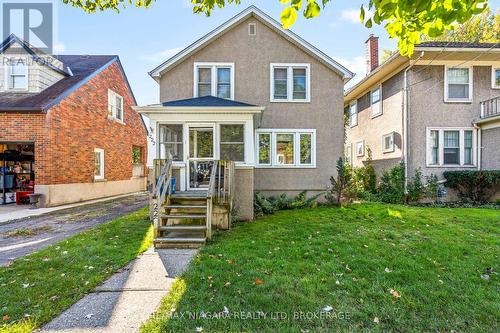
point(83, 68)
point(209, 101)
point(270, 22)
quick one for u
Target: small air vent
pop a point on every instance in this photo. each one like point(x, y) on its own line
point(252, 29)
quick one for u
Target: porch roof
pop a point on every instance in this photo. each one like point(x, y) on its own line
point(206, 101)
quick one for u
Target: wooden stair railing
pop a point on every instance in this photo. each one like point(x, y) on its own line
point(162, 188)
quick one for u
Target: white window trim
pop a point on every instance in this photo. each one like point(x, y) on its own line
point(493, 69)
point(378, 104)
point(290, 67)
point(355, 103)
point(296, 148)
point(213, 66)
point(113, 95)
point(391, 149)
point(441, 147)
point(471, 84)
point(101, 151)
point(219, 139)
point(8, 74)
point(356, 147)
point(254, 29)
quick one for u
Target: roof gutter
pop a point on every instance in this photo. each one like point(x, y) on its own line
point(406, 121)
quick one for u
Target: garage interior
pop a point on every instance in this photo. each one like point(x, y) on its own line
point(17, 172)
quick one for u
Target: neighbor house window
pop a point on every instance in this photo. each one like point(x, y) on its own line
point(353, 114)
point(450, 146)
point(98, 163)
point(388, 143)
point(17, 75)
point(376, 97)
point(290, 82)
point(458, 84)
point(232, 142)
point(495, 78)
point(360, 148)
point(115, 105)
point(214, 79)
point(286, 148)
point(171, 141)
point(348, 153)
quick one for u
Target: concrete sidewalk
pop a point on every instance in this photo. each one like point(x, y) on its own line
point(13, 212)
point(128, 298)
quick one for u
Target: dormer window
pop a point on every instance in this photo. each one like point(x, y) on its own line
point(17, 75)
point(214, 79)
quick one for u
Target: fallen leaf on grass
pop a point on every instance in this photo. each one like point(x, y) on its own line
point(199, 329)
point(227, 284)
point(376, 320)
point(387, 270)
point(395, 293)
point(5, 317)
point(229, 261)
point(258, 282)
point(328, 308)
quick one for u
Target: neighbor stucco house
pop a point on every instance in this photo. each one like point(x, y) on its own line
point(68, 130)
point(251, 92)
point(437, 111)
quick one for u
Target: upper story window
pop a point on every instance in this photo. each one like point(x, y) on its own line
point(458, 84)
point(376, 97)
point(17, 74)
point(115, 105)
point(290, 83)
point(450, 147)
point(286, 148)
point(353, 114)
point(214, 79)
point(495, 78)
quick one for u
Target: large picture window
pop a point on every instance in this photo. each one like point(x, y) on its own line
point(458, 84)
point(290, 82)
point(286, 148)
point(451, 147)
point(171, 141)
point(232, 142)
point(214, 79)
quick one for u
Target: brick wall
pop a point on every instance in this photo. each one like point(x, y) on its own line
point(65, 153)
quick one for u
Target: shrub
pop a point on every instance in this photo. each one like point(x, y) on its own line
point(341, 189)
point(432, 187)
point(473, 185)
point(416, 187)
point(392, 185)
point(266, 206)
point(365, 179)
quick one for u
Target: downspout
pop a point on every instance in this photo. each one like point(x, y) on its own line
point(406, 121)
point(479, 137)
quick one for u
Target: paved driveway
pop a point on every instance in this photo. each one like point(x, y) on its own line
point(24, 236)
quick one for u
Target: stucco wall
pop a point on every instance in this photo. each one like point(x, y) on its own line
point(371, 129)
point(428, 109)
point(252, 56)
point(243, 193)
point(490, 155)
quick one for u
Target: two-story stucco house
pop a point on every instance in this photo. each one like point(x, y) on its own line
point(67, 127)
point(437, 111)
point(251, 92)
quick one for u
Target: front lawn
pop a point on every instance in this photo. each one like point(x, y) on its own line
point(36, 288)
point(370, 267)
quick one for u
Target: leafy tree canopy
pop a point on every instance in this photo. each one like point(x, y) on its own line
point(405, 20)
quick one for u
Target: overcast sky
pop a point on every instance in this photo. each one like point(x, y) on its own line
point(144, 38)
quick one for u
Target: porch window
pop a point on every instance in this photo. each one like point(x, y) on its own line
point(17, 74)
point(450, 147)
point(232, 142)
point(264, 144)
point(115, 105)
point(290, 82)
point(458, 84)
point(98, 164)
point(214, 79)
point(286, 148)
point(171, 141)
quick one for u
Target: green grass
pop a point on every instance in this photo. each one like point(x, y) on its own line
point(305, 260)
point(37, 288)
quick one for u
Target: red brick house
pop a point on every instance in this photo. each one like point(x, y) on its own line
point(67, 127)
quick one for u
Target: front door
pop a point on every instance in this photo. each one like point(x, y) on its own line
point(201, 155)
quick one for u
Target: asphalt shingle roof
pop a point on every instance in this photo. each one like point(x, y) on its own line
point(209, 101)
point(81, 67)
point(459, 45)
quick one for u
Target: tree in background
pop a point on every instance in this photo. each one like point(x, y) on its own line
point(405, 20)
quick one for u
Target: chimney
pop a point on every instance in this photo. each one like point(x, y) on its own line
point(371, 53)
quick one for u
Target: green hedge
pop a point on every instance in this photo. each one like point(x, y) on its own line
point(473, 185)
